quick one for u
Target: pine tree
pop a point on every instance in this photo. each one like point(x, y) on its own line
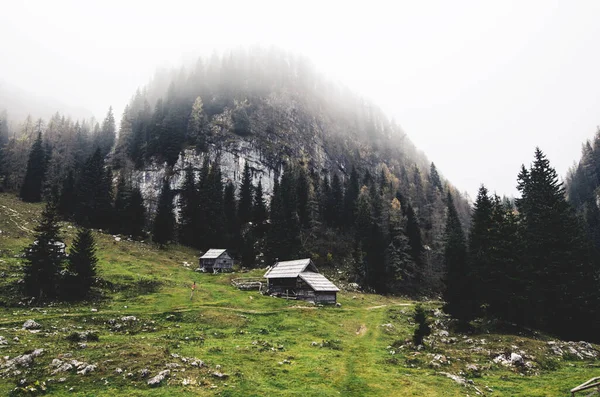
point(402, 272)
point(458, 290)
point(81, 267)
point(350, 197)
point(105, 139)
point(44, 258)
point(31, 190)
point(94, 194)
point(163, 230)
point(413, 232)
point(336, 204)
point(67, 199)
point(259, 211)
point(197, 126)
point(481, 248)
point(121, 222)
point(423, 329)
point(560, 271)
point(232, 226)
point(188, 206)
point(434, 178)
point(303, 189)
point(215, 216)
point(245, 204)
point(136, 213)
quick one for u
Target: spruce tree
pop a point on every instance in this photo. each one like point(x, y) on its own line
point(215, 216)
point(232, 226)
point(105, 139)
point(303, 188)
point(245, 203)
point(403, 274)
point(188, 206)
point(423, 329)
point(434, 178)
point(44, 258)
point(557, 261)
point(163, 229)
point(259, 211)
point(336, 203)
point(121, 222)
point(136, 213)
point(81, 266)
point(31, 190)
point(413, 232)
point(94, 194)
point(481, 248)
point(457, 294)
point(350, 197)
point(66, 204)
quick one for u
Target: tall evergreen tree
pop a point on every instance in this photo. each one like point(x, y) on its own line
point(403, 274)
point(434, 178)
point(245, 203)
point(67, 199)
point(94, 194)
point(303, 188)
point(105, 139)
point(121, 222)
point(163, 230)
point(31, 190)
point(44, 258)
point(215, 216)
point(336, 204)
point(188, 206)
point(136, 213)
point(81, 266)
point(560, 271)
point(351, 195)
point(232, 226)
point(259, 211)
point(458, 290)
point(413, 232)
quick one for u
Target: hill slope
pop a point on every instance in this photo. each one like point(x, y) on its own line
point(238, 343)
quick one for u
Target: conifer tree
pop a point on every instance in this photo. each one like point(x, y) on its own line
point(458, 289)
point(303, 188)
point(350, 197)
point(401, 269)
point(44, 258)
point(259, 211)
point(202, 208)
point(336, 204)
point(67, 199)
point(31, 190)
point(136, 213)
point(413, 232)
point(325, 201)
point(105, 139)
point(121, 222)
point(481, 248)
point(94, 194)
point(188, 206)
point(163, 230)
point(560, 271)
point(81, 266)
point(215, 217)
point(245, 203)
point(423, 329)
point(232, 226)
point(434, 178)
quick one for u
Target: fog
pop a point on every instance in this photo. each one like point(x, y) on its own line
point(475, 85)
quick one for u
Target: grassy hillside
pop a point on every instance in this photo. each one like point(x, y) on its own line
point(239, 343)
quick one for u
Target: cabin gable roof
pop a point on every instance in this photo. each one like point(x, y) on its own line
point(291, 269)
point(214, 253)
point(318, 282)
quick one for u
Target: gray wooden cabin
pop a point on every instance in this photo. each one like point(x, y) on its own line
point(216, 260)
point(300, 279)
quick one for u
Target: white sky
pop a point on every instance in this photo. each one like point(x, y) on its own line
point(476, 84)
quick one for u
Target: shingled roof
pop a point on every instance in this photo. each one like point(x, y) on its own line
point(290, 269)
point(213, 253)
point(318, 282)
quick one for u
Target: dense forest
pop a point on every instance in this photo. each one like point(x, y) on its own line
point(331, 178)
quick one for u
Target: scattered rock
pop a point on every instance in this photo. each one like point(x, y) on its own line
point(3, 341)
point(144, 372)
point(220, 375)
point(155, 381)
point(118, 371)
point(129, 319)
point(516, 359)
point(87, 369)
point(30, 324)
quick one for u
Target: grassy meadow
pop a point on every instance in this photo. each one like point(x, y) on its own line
point(228, 342)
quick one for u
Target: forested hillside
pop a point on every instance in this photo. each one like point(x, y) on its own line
point(253, 152)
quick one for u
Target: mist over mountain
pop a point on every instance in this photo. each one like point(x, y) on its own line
point(19, 103)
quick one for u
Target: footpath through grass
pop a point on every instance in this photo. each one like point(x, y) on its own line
point(239, 343)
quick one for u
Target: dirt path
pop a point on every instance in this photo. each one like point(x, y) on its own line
point(395, 304)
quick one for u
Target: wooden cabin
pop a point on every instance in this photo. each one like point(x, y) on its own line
point(300, 279)
point(216, 260)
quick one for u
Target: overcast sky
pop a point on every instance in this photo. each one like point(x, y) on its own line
point(475, 84)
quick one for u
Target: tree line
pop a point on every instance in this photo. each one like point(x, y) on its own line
point(530, 263)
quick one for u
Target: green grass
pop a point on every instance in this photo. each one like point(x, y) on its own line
point(266, 346)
